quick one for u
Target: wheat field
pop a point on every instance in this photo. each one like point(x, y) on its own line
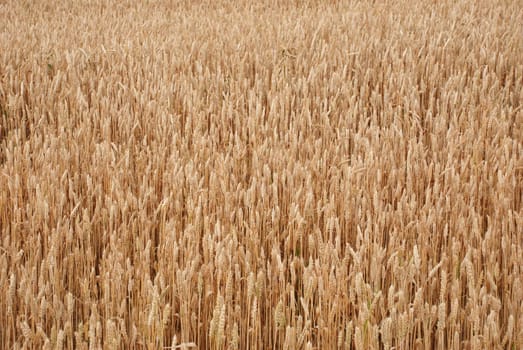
point(261, 174)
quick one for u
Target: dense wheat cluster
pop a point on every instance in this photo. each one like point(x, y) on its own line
point(261, 174)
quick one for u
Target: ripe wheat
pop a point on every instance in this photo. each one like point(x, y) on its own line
point(261, 175)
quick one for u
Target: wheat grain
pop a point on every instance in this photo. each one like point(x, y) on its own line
point(269, 175)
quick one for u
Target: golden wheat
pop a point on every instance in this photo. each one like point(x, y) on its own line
point(261, 175)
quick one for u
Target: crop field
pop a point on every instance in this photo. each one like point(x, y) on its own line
point(261, 175)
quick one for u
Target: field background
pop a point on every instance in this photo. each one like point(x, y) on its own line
point(261, 174)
